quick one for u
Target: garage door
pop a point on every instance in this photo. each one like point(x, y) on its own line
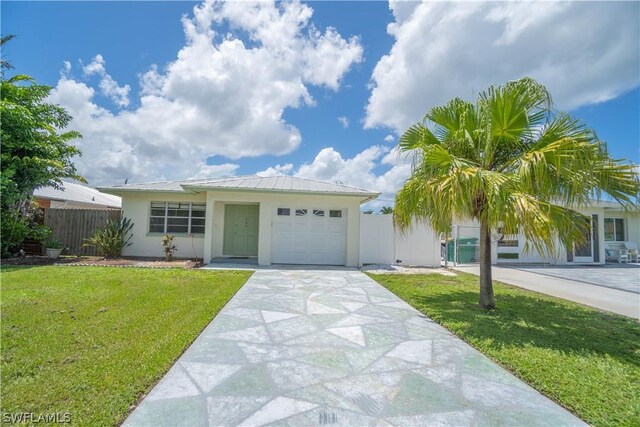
point(309, 235)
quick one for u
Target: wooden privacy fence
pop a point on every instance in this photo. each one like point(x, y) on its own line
point(72, 226)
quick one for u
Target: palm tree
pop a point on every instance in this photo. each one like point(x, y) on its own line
point(4, 64)
point(386, 210)
point(509, 161)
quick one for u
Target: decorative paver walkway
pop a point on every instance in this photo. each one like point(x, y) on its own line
point(307, 347)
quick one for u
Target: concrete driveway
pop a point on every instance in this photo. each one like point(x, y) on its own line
point(609, 288)
point(624, 277)
point(322, 347)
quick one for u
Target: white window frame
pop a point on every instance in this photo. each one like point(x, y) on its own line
point(615, 229)
point(166, 217)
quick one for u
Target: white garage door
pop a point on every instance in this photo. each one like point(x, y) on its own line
point(309, 235)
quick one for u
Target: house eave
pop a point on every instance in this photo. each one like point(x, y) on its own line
point(367, 195)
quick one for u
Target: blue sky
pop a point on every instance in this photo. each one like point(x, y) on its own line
point(311, 89)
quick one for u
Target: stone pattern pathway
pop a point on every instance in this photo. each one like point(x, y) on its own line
point(312, 348)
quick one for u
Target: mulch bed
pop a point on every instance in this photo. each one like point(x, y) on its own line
point(99, 261)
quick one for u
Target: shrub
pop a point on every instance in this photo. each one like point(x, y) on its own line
point(15, 228)
point(112, 239)
point(169, 247)
point(18, 225)
point(54, 244)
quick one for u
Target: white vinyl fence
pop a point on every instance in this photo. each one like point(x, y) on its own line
point(380, 243)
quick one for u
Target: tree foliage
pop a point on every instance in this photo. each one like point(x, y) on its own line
point(35, 150)
point(35, 153)
point(508, 160)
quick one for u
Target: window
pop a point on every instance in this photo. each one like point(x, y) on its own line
point(177, 217)
point(301, 212)
point(318, 212)
point(284, 212)
point(508, 243)
point(335, 214)
point(507, 255)
point(614, 229)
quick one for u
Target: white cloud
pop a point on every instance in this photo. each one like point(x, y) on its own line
point(220, 96)
point(389, 138)
point(344, 121)
point(215, 171)
point(584, 52)
point(108, 86)
point(277, 170)
point(152, 82)
point(359, 171)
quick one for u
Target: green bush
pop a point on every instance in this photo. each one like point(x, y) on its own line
point(112, 239)
point(54, 244)
point(15, 228)
point(18, 226)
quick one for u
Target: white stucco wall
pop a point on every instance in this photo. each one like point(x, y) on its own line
point(380, 243)
point(268, 203)
point(419, 246)
point(377, 239)
point(136, 205)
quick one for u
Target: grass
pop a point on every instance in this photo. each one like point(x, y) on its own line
point(90, 341)
point(584, 359)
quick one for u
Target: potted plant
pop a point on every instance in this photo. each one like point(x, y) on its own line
point(54, 248)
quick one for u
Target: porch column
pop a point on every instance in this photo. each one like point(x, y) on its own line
point(208, 229)
point(264, 233)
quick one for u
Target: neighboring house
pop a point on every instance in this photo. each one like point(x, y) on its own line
point(611, 224)
point(75, 196)
point(281, 219)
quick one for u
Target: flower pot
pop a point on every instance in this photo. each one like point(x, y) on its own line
point(53, 253)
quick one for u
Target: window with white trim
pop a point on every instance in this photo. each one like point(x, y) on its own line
point(318, 212)
point(284, 212)
point(614, 229)
point(335, 213)
point(177, 217)
point(301, 212)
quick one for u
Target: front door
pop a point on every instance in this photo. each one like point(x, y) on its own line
point(584, 252)
point(241, 230)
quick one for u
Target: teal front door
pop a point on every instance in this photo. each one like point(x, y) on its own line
point(241, 230)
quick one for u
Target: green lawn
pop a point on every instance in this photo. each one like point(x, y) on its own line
point(584, 359)
point(91, 340)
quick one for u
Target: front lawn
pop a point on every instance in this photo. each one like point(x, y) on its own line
point(90, 341)
point(584, 359)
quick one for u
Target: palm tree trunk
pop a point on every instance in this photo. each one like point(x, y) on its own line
point(486, 284)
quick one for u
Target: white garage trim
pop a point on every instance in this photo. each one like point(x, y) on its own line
point(309, 235)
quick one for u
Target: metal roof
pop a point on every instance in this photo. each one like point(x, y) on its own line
point(78, 193)
point(171, 186)
point(253, 183)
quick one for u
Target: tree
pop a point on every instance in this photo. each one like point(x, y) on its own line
point(386, 210)
point(368, 212)
point(508, 160)
point(35, 152)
